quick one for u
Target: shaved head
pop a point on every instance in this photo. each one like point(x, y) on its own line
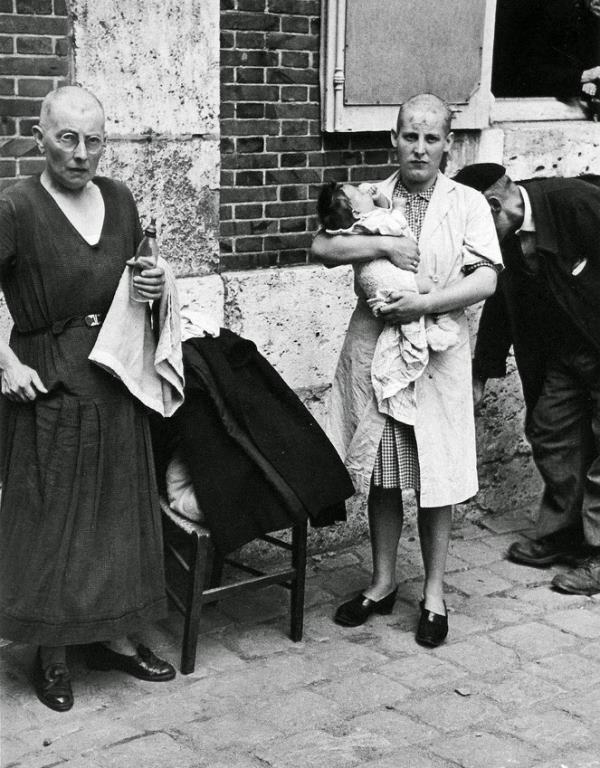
point(73, 97)
point(70, 135)
point(427, 103)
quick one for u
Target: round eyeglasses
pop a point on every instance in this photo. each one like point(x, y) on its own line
point(70, 142)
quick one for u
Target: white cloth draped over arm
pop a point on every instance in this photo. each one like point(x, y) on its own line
point(151, 370)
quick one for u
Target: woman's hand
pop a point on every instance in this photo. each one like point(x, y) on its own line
point(404, 307)
point(20, 383)
point(149, 281)
point(403, 252)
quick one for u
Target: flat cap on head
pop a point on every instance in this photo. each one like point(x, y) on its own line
point(480, 176)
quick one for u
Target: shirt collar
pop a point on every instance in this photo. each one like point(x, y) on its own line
point(528, 224)
point(425, 194)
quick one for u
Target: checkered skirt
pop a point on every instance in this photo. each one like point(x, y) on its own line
point(397, 461)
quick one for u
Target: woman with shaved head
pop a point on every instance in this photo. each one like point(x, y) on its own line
point(457, 251)
point(80, 529)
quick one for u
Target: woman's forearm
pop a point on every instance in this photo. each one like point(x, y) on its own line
point(406, 307)
point(473, 288)
point(335, 250)
point(7, 356)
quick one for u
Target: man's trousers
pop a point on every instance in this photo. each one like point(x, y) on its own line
point(564, 432)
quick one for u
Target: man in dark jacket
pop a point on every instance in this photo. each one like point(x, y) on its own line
point(547, 305)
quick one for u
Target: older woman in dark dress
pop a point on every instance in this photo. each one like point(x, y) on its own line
point(80, 530)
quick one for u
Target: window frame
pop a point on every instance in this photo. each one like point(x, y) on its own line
point(538, 109)
point(481, 111)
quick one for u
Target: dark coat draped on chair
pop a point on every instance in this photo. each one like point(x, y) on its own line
point(259, 461)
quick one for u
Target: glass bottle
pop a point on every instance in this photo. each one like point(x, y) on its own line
point(147, 249)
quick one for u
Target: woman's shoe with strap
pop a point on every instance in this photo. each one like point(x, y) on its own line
point(356, 611)
point(433, 627)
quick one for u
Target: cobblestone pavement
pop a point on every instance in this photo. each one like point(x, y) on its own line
point(516, 684)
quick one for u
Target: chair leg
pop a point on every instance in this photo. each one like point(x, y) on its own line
point(216, 574)
point(193, 602)
point(299, 533)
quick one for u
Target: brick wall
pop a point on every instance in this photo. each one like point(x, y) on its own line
point(34, 59)
point(274, 156)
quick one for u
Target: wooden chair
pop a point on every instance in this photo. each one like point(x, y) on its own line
point(187, 549)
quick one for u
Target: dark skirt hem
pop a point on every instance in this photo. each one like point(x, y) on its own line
point(40, 633)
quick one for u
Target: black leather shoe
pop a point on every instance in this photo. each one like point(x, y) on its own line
point(143, 665)
point(356, 611)
point(53, 685)
point(583, 580)
point(433, 628)
point(559, 547)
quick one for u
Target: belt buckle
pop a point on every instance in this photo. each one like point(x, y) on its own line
point(92, 320)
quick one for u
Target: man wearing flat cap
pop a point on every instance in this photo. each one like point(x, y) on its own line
point(547, 306)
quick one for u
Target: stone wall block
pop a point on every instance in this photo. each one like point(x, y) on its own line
point(501, 419)
point(297, 317)
point(508, 478)
point(506, 487)
point(154, 65)
point(172, 180)
point(465, 150)
point(568, 148)
point(204, 295)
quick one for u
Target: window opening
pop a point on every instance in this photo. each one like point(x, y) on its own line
point(548, 48)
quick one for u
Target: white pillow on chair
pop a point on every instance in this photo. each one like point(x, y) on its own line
point(180, 491)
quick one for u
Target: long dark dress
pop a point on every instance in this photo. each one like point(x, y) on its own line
point(80, 532)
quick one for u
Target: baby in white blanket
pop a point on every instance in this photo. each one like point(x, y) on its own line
point(402, 351)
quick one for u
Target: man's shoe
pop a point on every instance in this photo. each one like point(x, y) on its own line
point(433, 628)
point(583, 580)
point(143, 664)
point(551, 549)
point(356, 611)
point(53, 685)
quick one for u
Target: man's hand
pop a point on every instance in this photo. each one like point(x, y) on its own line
point(589, 75)
point(478, 392)
point(594, 7)
point(404, 253)
point(149, 281)
point(20, 383)
point(404, 307)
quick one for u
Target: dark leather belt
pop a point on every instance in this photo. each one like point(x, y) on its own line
point(58, 326)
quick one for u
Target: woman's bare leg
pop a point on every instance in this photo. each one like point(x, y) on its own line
point(435, 524)
point(386, 516)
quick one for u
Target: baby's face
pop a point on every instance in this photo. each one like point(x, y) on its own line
point(361, 202)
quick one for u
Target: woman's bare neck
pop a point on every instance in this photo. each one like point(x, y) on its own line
point(72, 195)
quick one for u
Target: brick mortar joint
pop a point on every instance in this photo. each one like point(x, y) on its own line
point(34, 16)
point(160, 137)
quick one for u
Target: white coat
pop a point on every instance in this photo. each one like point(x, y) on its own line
point(458, 224)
